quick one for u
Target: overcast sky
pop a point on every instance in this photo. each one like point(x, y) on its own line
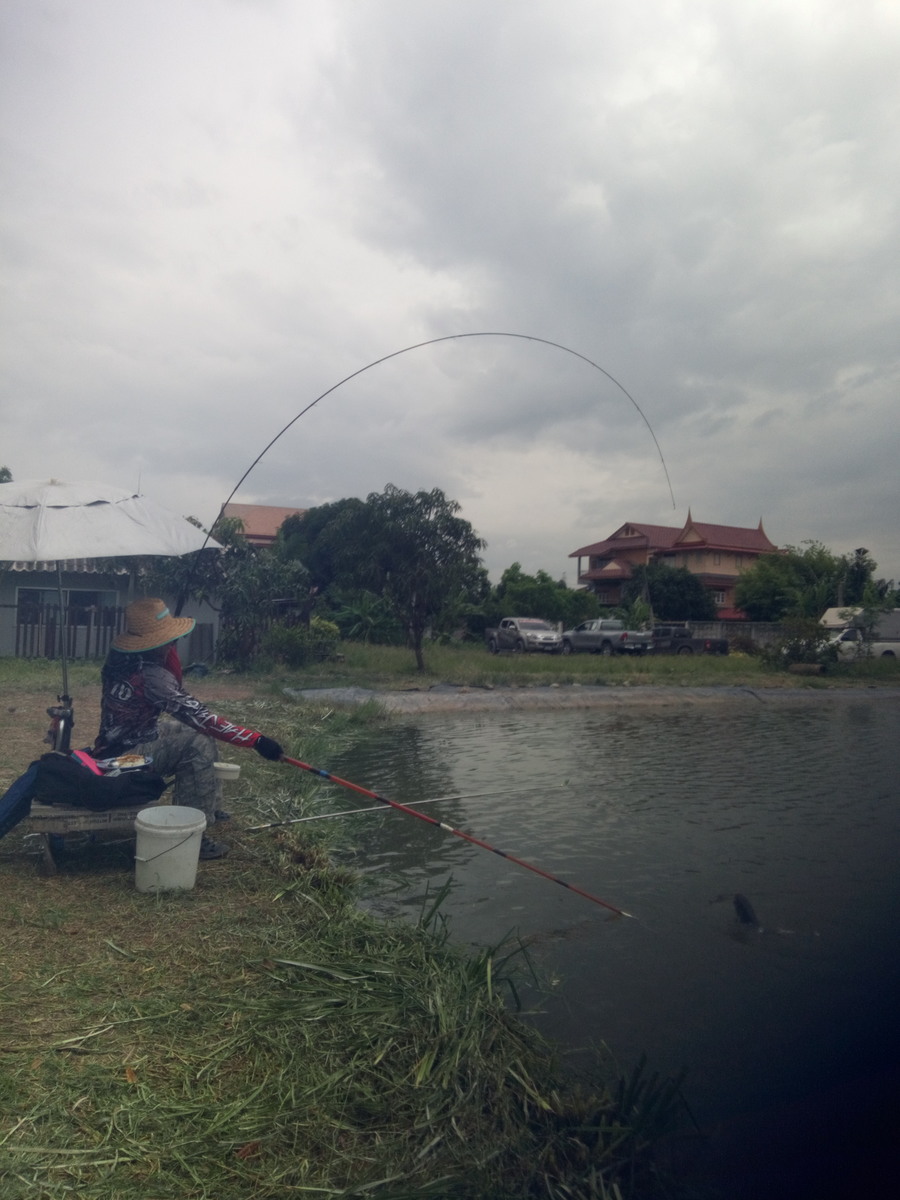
point(214, 210)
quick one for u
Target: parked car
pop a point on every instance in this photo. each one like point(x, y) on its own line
point(605, 635)
point(680, 639)
point(523, 634)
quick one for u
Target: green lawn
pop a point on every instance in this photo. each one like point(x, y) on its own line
point(470, 664)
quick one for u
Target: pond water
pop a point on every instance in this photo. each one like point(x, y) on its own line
point(790, 1034)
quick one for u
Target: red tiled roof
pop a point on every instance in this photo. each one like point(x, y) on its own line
point(665, 537)
point(261, 521)
point(728, 537)
point(656, 537)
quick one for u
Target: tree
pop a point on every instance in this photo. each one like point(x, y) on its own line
point(860, 573)
point(250, 587)
point(5, 475)
point(673, 593)
point(362, 616)
point(319, 540)
point(801, 583)
point(539, 595)
point(418, 554)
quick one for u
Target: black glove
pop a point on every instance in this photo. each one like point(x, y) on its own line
point(268, 748)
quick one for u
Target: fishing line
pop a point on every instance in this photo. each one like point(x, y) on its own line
point(352, 812)
point(468, 837)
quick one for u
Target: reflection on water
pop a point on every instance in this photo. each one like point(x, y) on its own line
point(668, 813)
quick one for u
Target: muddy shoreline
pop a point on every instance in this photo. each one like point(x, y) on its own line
point(466, 698)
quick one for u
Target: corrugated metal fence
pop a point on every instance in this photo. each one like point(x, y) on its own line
point(87, 631)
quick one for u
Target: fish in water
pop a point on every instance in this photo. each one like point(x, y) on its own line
point(745, 912)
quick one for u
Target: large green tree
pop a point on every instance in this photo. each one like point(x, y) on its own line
point(416, 551)
point(802, 582)
point(673, 593)
point(410, 551)
point(318, 539)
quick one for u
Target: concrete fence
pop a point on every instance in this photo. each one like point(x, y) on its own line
point(761, 633)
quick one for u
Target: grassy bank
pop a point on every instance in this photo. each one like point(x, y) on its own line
point(388, 667)
point(260, 1036)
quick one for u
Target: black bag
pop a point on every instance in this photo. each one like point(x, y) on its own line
point(64, 780)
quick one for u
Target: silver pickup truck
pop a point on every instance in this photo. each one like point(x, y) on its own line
point(605, 635)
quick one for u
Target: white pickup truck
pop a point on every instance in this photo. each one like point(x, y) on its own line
point(885, 642)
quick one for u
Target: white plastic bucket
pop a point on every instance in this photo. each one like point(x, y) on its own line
point(168, 847)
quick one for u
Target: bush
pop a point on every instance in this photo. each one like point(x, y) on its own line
point(803, 640)
point(742, 644)
point(297, 645)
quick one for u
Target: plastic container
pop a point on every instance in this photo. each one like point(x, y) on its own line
point(168, 847)
point(226, 772)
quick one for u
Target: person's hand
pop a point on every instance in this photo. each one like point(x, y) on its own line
point(268, 748)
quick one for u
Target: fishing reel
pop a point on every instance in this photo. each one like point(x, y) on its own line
point(62, 719)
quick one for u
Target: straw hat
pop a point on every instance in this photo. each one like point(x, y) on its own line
point(149, 624)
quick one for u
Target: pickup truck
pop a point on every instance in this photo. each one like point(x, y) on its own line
point(605, 635)
point(851, 644)
point(679, 639)
point(523, 633)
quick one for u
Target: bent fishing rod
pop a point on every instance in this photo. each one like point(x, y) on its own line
point(449, 337)
point(468, 837)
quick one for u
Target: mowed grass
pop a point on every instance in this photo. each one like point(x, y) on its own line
point(470, 665)
point(260, 1035)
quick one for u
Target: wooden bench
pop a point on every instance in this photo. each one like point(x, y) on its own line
point(49, 820)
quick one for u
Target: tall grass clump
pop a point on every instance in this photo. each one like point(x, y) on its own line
point(341, 1057)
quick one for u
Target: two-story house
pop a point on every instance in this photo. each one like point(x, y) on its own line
point(717, 554)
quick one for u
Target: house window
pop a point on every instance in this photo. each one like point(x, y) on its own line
point(719, 598)
point(717, 560)
point(738, 560)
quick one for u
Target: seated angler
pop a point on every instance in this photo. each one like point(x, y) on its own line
point(141, 682)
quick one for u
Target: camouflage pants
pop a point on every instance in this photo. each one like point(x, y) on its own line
point(189, 756)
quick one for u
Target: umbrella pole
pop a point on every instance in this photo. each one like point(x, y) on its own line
point(63, 715)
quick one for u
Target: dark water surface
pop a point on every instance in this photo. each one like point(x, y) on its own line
point(790, 1035)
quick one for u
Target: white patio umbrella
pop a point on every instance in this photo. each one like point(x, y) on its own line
point(50, 521)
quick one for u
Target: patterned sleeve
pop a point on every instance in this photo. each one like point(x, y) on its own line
point(163, 687)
